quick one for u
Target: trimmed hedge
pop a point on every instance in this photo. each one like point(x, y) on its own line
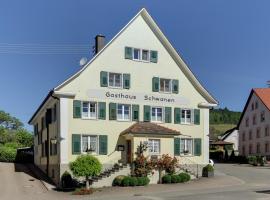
point(126, 181)
point(7, 154)
point(180, 178)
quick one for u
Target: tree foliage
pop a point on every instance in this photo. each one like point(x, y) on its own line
point(9, 122)
point(224, 116)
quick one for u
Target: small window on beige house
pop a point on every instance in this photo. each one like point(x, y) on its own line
point(254, 120)
point(252, 106)
point(266, 147)
point(258, 133)
point(244, 136)
point(258, 148)
point(256, 105)
point(247, 122)
point(266, 131)
point(262, 116)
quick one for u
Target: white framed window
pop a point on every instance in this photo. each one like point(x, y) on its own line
point(165, 85)
point(89, 110)
point(154, 146)
point(136, 54)
point(186, 116)
point(89, 144)
point(115, 80)
point(186, 146)
point(123, 112)
point(157, 114)
point(145, 55)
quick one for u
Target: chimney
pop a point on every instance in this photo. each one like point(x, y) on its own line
point(99, 43)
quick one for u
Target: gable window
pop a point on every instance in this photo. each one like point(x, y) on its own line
point(145, 55)
point(247, 122)
point(165, 85)
point(252, 106)
point(89, 110)
point(154, 146)
point(89, 143)
point(186, 116)
point(186, 146)
point(123, 112)
point(254, 120)
point(262, 116)
point(256, 105)
point(157, 114)
point(136, 54)
point(115, 80)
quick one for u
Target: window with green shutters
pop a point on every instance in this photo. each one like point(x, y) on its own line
point(135, 112)
point(168, 115)
point(197, 116)
point(76, 144)
point(126, 81)
point(146, 113)
point(103, 144)
point(175, 86)
point(128, 53)
point(197, 146)
point(155, 84)
point(112, 111)
point(177, 115)
point(177, 146)
point(153, 56)
point(102, 110)
point(103, 79)
point(77, 109)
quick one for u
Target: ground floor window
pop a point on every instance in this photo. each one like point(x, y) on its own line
point(157, 114)
point(154, 146)
point(186, 146)
point(123, 112)
point(89, 143)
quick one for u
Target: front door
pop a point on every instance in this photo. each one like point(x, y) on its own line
point(128, 151)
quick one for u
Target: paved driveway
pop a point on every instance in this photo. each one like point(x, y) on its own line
point(231, 182)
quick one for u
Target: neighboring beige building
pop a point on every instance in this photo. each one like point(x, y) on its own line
point(135, 89)
point(231, 136)
point(254, 138)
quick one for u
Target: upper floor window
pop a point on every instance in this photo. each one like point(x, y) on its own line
point(165, 85)
point(154, 146)
point(258, 133)
point(266, 131)
point(89, 110)
point(186, 116)
point(252, 106)
point(256, 105)
point(123, 112)
point(89, 143)
point(36, 129)
point(250, 135)
point(247, 122)
point(115, 80)
point(262, 116)
point(140, 54)
point(157, 114)
point(254, 120)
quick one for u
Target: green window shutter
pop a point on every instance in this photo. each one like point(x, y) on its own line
point(177, 146)
point(103, 79)
point(76, 109)
point(101, 110)
point(126, 80)
point(154, 56)
point(175, 86)
point(135, 112)
point(103, 144)
point(168, 114)
point(155, 84)
point(197, 116)
point(177, 115)
point(128, 53)
point(76, 144)
point(112, 111)
point(146, 113)
point(197, 146)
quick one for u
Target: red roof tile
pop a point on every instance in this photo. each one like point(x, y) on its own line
point(264, 95)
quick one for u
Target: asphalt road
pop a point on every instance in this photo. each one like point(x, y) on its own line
point(230, 182)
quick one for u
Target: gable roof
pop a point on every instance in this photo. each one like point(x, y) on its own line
point(227, 133)
point(149, 128)
point(263, 94)
point(165, 42)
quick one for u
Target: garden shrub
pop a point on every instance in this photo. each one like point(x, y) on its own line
point(118, 180)
point(184, 177)
point(7, 154)
point(252, 160)
point(175, 178)
point(133, 181)
point(166, 179)
point(126, 181)
point(140, 181)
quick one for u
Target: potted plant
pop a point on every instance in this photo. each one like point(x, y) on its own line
point(208, 171)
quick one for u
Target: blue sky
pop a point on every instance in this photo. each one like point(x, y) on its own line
point(225, 43)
